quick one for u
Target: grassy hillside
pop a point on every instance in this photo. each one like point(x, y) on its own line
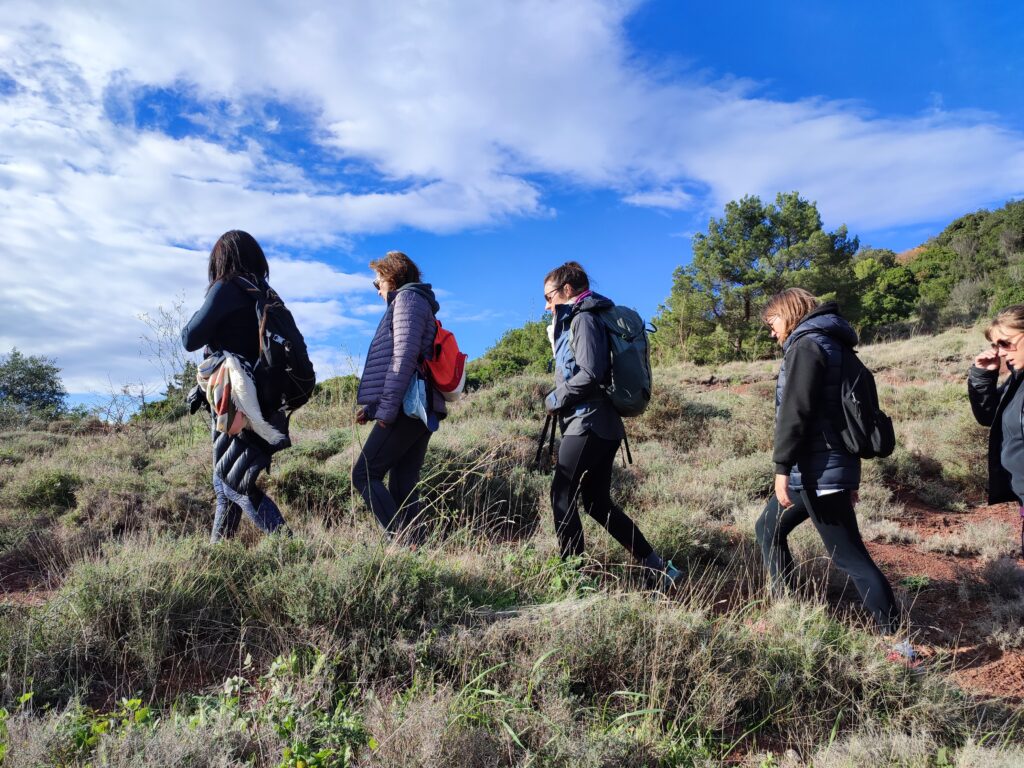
point(128, 640)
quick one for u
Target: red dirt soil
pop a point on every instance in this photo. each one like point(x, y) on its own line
point(946, 613)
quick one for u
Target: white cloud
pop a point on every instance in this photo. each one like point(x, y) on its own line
point(452, 112)
point(670, 198)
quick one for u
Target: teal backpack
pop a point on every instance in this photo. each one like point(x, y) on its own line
point(630, 383)
point(631, 380)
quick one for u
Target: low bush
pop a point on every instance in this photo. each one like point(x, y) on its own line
point(311, 488)
point(48, 489)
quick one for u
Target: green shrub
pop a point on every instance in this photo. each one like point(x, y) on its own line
point(517, 397)
point(311, 488)
point(337, 441)
point(491, 492)
point(48, 489)
point(145, 613)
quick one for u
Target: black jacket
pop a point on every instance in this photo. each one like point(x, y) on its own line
point(807, 445)
point(988, 401)
point(225, 323)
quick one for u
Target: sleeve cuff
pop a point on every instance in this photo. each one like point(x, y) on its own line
point(783, 469)
point(980, 373)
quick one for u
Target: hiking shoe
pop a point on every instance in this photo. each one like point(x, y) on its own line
point(904, 653)
point(668, 579)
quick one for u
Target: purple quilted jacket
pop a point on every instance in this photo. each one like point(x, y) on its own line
point(404, 337)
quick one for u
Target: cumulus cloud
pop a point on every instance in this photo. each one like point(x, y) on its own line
point(411, 120)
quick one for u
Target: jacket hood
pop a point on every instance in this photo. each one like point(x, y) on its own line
point(595, 302)
point(825, 319)
point(592, 302)
point(424, 290)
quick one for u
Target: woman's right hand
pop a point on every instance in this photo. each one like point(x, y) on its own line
point(987, 360)
point(361, 416)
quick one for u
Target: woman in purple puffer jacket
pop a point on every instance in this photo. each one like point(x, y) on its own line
point(398, 442)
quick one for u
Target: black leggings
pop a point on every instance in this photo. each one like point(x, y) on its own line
point(584, 473)
point(836, 522)
point(398, 448)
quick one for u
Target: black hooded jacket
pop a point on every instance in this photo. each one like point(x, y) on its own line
point(807, 445)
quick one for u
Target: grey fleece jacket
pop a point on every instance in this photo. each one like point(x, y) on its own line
point(582, 367)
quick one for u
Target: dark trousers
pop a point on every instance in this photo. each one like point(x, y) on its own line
point(398, 448)
point(584, 477)
point(834, 518)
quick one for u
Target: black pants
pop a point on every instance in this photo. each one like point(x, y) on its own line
point(398, 448)
point(833, 517)
point(584, 474)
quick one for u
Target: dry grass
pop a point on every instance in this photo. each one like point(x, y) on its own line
point(481, 647)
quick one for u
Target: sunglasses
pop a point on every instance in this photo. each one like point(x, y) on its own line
point(376, 285)
point(1006, 344)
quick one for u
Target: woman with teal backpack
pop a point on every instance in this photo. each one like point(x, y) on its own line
point(591, 427)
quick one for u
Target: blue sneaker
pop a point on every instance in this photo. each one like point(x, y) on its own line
point(670, 578)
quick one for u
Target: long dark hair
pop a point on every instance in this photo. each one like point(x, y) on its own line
point(237, 253)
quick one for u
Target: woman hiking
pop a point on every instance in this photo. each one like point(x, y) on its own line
point(227, 326)
point(591, 427)
point(397, 444)
point(1001, 407)
point(816, 478)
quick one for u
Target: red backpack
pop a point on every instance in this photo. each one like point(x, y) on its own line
point(447, 368)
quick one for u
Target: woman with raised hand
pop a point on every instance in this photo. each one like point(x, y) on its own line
point(1001, 407)
point(397, 444)
point(227, 323)
point(591, 427)
point(816, 478)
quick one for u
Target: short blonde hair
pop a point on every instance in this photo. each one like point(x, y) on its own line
point(790, 305)
point(1011, 318)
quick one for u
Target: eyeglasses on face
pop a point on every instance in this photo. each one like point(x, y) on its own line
point(552, 292)
point(1006, 344)
point(376, 285)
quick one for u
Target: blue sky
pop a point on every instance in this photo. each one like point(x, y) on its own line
point(490, 141)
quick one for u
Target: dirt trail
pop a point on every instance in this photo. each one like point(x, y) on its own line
point(948, 601)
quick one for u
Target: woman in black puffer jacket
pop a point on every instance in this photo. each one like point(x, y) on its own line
point(815, 477)
point(227, 323)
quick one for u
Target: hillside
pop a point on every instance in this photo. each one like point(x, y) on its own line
point(128, 640)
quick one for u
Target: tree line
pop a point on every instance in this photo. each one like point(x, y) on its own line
point(755, 249)
point(974, 267)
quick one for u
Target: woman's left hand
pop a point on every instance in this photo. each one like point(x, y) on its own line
point(782, 491)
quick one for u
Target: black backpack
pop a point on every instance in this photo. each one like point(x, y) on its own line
point(284, 374)
point(865, 428)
